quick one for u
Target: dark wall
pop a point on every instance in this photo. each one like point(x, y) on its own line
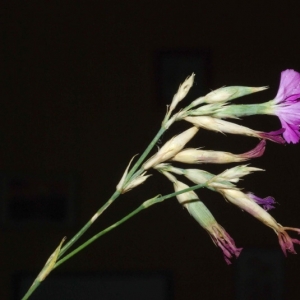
point(80, 96)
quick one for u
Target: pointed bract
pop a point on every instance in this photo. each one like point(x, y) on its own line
point(135, 182)
point(120, 185)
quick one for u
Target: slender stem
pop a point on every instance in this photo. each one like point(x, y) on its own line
point(81, 247)
point(34, 286)
point(146, 152)
point(89, 223)
point(143, 206)
point(116, 194)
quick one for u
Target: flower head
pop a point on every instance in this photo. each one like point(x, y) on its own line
point(287, 105)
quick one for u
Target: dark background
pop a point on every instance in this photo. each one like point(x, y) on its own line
point(80, 96)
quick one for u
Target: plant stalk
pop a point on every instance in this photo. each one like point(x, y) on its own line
point(143, 206)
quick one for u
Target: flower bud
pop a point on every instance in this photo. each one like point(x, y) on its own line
point(170, 148)
point(231, 92)
point(182, 91)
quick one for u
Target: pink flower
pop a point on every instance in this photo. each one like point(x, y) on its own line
point(287, 105)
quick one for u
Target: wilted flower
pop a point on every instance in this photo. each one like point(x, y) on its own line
point(204, 217)
point(248, 204)
point(196, 156)
point(266, 203)
point(222, 126)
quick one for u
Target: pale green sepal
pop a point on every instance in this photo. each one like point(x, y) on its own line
point(200, 213)
point(243, 110)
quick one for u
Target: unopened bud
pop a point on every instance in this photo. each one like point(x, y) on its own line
point(182, 91)
point(231, 92)
point(171, 148)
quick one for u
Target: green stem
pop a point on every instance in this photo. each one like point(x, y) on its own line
point(143, 206)
point(34, 286)
point(146, 152)
point(89, 223)
point(116, 194)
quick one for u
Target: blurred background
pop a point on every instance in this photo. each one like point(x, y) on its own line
point(83, 91)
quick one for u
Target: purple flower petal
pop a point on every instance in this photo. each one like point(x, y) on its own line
point(274, 136)
point(291, 134)
point(255, 152)
point(285, 241)
point(266, 203)
point(287, 105)
point(223, 240)
point(289, 87)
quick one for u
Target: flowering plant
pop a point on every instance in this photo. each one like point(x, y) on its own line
point(207, 112)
